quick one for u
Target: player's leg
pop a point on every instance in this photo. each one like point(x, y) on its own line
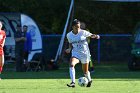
point(73, 62)
point(85, 58)
point(85, 67)
point(25, 60)
point(1, 64)
point(18, 59)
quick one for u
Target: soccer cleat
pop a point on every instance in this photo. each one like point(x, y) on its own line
point(89, 83)
point(72, 84)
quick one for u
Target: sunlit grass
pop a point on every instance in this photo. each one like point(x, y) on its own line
point(107, 78)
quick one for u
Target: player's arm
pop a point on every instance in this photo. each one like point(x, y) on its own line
point(95, 36)
point(69, 49)
point(90, 35)
point(20, 39)
point(3, 42)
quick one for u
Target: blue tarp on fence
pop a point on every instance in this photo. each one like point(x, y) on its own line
point(111, 47)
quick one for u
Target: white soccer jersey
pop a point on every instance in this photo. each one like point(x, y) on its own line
point(80, 44)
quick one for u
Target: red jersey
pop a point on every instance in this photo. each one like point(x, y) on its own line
point(2, 41)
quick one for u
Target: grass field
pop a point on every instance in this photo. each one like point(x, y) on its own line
point(107, 78)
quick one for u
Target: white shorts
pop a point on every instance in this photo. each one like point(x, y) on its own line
point(83, 57)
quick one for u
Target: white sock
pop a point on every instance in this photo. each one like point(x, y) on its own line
point(87, 75)
point(72, 74)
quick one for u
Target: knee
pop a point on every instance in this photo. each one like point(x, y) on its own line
point(71, 64)
point(86, 72)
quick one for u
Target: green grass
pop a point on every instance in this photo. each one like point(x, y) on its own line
point(107, 78)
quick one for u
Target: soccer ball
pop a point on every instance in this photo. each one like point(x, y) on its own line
point(82, 81)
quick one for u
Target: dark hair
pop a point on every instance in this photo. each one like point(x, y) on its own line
point(25, 26)
point(75, 21)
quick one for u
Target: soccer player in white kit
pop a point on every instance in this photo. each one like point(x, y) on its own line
point(78, 45)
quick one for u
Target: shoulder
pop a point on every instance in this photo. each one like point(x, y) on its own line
point(84, 31)
point(69, 34)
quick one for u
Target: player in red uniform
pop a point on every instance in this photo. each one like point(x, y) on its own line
point(2, 42)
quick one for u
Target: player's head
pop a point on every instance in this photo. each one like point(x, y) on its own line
point(76, 24)
point(25, 28)
point(18, 27)
point(0, 25)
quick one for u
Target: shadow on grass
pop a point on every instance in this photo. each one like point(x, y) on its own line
point(102, 71)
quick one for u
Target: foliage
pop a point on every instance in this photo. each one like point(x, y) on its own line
point(108, 17)
point(49, 14)
point(100, 17)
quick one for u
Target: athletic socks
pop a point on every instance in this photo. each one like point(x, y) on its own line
point(72, 76)
point(72, 73)
point(87, 75)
